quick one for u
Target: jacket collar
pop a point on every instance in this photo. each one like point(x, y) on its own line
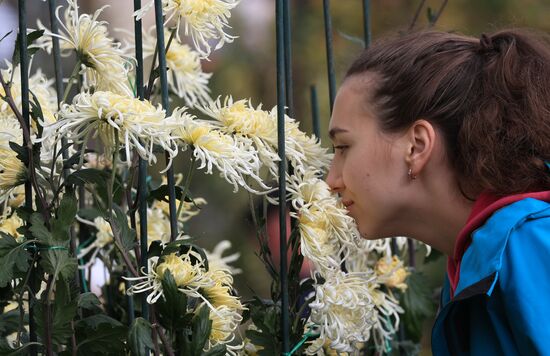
point(487, 246)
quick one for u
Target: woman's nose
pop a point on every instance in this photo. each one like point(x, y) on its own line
point(334, 180)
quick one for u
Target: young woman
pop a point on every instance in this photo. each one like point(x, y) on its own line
point(446, 139)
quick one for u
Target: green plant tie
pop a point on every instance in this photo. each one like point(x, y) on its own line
point(299, 344)
point(81, 261)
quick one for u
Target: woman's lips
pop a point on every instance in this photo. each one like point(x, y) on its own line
point(347, 203)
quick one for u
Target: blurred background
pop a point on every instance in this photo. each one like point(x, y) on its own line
point(246, 69)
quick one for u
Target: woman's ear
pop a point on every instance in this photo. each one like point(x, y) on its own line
point(421, 138)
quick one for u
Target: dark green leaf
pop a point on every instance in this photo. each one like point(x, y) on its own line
point(264, 340)
point(418, 304)
point(62, 313)
point(31, 37)
point(58, 263)
point(103, 339)
point(36, 113)
point(89, 176)
point(91, 213)
point(39, 230)
point(6, 35)
point(21, 153)
point(121, 230)
point(139, 337)
point(182, 247)
point(173, 308)
point(94, 321)
point(161, 193)
point(9, 322)
point(201, 326)
point(65, 217)
point(13, 259)
point(89, 301)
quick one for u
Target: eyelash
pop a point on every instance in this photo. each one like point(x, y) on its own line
point(340, 147)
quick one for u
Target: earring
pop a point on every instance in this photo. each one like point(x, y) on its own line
point(411, 175)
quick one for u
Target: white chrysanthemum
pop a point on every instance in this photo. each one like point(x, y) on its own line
point(12, 170)
point(106, 65)
point(185, 76)
point(236, 159)
point(39, 85)
point(203, 20)
point(188, 272)
point(325, 228)
point(343, 310)
point(218, 262)
point(138, 124)
point(241, 118)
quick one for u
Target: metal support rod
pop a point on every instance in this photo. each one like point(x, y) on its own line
point(142, 170)
point(280, 31)
point(288, 58)
point(315, 111)
point(166, 105)
point(366, 22)
point(330, 60)
point(24, 66)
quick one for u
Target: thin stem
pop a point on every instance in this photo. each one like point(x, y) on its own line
point(151, 80)
point(416, 15)
point(436, 17)
point(74, 75)
point(113, 176)
point(187, 184)
point(165, 342)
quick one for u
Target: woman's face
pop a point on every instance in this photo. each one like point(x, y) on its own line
point(369, 170)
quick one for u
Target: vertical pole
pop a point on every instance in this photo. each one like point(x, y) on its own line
point(315, 111)
point(142, 168)
point(366, 22)
point(280, 31)
point(288, 58)
point(330, 60)
point(165, 104)
point(25, 112)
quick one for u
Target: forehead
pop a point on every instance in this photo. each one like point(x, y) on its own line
point(353, 105)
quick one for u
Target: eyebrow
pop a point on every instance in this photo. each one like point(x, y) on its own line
point(334, 131)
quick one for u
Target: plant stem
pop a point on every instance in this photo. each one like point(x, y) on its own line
point(151, 76)
point(187, 184)
point(74, 75)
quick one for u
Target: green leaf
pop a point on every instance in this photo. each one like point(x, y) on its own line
point(62, 312)
point(65, 217)
point(31, 37)
point(161, 193)
point(418, 305)
point(95, 337)
point(89, 301)
point(9, 322)
point(39, 230)
point(13, 259)
point(172, 309)
point(58, 263)
point(89, 176)
point(21, 153)
point(90, 213)
point(264, 340)
point(121, 229)
point(201, 326)
point(139, 337)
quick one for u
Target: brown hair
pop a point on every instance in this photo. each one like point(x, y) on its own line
point(490, 97)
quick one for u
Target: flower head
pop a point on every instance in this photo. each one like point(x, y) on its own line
point(187, 270)
point(9, 225)
point(135, 123)
point(185, 76)
point(203, 20)
point(217, 262)
point(106, 65)
point(12, 170)
point(343, 310)
point(235, 159)
point(391, 272)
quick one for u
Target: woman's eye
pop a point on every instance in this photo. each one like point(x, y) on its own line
point(340, 148)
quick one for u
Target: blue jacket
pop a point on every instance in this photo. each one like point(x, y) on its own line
point(501, 304)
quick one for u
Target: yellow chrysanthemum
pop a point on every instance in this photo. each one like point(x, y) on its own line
point(391, 272)
point(138, 124)
point(12, 170)
point(203, 20)
point(10, 225)
point(106, 65)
